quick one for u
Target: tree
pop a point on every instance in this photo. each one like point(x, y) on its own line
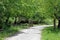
point(52, 8)
point(6, 7)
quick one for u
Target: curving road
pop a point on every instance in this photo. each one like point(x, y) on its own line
point(33, 33)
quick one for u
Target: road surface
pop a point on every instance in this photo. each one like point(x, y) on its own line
point(33, 33)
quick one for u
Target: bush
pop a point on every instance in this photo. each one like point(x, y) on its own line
point(50, 34)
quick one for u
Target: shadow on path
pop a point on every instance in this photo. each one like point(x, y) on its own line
point(15, 34)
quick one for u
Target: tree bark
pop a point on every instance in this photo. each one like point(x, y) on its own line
point(30, 23)
point(54, 23)
point(7, 20)
point(58, 24)
point(15, 20)
point(7, 23)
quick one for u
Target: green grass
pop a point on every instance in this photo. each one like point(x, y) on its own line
point(12, 30)
point(50, 34)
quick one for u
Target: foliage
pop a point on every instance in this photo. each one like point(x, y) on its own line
point(11, 31)
point(50, 34)
point(51, 8)
point(21, 9)
point(48, 21)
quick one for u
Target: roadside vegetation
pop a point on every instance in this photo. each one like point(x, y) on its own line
point(11, 31)
point(50, 34)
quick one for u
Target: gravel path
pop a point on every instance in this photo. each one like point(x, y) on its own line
point(33, 33)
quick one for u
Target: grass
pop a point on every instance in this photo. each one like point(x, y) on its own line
point(12, 30)
point(50, 34)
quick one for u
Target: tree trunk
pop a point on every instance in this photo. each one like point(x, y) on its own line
point(7, 20)
point(54, 23)
point(15, 20)
point(30, 23)
point(7, 23)
point(58, 24)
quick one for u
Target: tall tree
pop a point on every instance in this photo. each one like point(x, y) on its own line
point(52, 9)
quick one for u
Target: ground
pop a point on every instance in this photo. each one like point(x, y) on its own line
point(33, 33)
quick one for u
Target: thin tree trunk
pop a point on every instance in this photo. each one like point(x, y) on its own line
point(54, 23)
point(7, 23)
point(15, 20)
point(7, 20)
point(58, 24)
point(30, 23)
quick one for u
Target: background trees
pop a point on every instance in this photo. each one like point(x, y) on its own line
point(17, 11)
point(23, 11)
